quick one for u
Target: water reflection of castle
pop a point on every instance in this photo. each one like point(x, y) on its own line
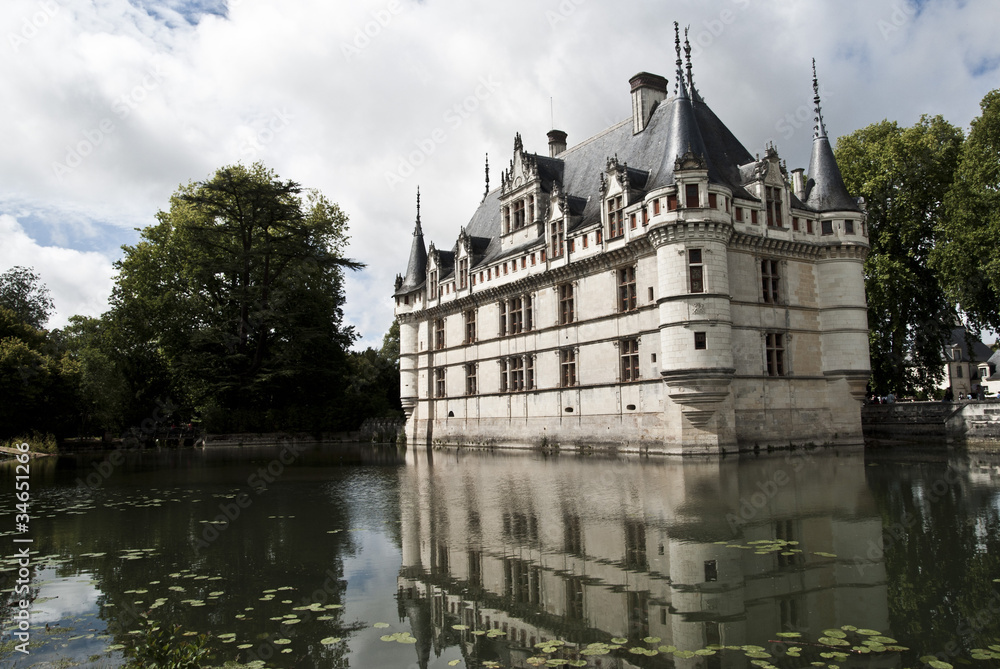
point(585, 550)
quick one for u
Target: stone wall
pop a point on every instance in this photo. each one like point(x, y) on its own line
point(953, 423)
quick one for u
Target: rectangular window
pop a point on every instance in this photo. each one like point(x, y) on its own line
point(566, 314)
point(753, 216)
point(626, 289)
point(502, 330)
point(439, 385)
point(529, 314)
point(629, 350)
point(567, 367)
point(572, 245)
point(529, 372)
point(769, 280)
point(586, 238)
point(463, 273)
point(775, 353)
point(849, 227)
point(516, 369)
point(600, 236)
point(531, 209)
point(827, 227)
point(503, 376)
point(691, 196)
point(809, 227)
point(517, 215)
point(515, 311)
point(711, 571)
point(470, 326)
point(432, 285)
point(700, 341)
point(470, 379)
point(439, 334)
point(524, 262)
point(656, 206)
point(739, 214)
point(713, 201)
point(645, 216)
point(556, 239)
point(631, 221)
point(616, 224)
point(696, 271)
point(506, 219)
point(773, 196)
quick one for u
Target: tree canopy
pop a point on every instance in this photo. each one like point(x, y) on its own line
point(903, 174)
point(22, 291)
point(236, 295)
point(968, 237)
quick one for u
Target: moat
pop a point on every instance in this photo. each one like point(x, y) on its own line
point(362, 556)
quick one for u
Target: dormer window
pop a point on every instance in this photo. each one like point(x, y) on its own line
point(773, 197)
point(691, 196)
point(432, 284)
point(616, 222)
point(517, 215)
point(463, 273)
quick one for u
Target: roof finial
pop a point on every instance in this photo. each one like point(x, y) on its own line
point(680, 70)
point(487, 176)
point(819, 130)
point(690, 77)
point(418, 209)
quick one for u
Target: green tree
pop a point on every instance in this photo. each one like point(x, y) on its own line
point(22, 291)
point(903, 174)
point(969, 235)
point(238, 293)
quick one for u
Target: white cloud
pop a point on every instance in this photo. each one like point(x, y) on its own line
point(80, 282)
point(336, 95)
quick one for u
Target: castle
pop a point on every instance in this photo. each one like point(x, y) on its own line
point(655, 288)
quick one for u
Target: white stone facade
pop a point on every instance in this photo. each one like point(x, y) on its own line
point(687, 298)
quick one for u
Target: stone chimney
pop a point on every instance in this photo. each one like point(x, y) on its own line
point(557, 142)
point(648, 90)
point(799, 183)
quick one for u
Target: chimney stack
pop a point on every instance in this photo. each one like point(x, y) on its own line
point(557, 142)
point(648, 90)
point(799, 183)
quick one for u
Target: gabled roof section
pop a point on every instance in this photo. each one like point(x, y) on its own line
point(825, 190)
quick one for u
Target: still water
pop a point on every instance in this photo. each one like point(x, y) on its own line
point(358, 556)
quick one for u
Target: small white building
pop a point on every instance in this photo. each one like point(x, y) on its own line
point(655, 288)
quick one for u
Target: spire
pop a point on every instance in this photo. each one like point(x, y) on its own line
point(825, 190)
point(819, 129)
point(487, 191)
point(683, 135)
point(679, 87)
point(416, 268)
point(692, 91)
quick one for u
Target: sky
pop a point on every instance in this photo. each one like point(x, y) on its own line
point(109, 105)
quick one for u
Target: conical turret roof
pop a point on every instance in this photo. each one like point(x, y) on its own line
point(416, 268)
point(825, 190)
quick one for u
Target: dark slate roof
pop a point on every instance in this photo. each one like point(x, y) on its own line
point(678, 124)
point(980, 351)
point(825, 190)
point(416, 267)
